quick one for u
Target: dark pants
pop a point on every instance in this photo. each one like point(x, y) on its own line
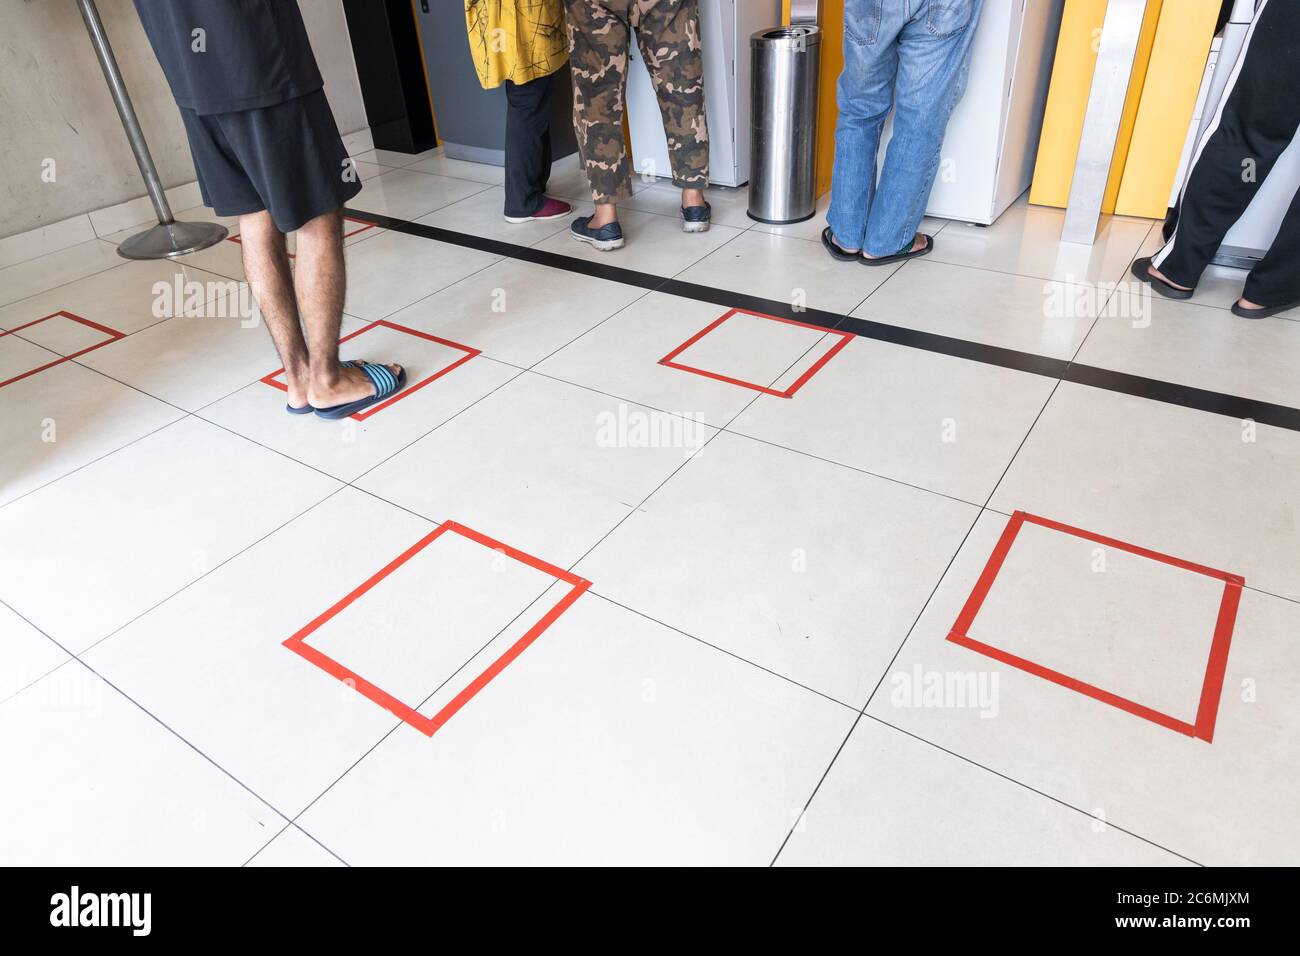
point(1259, 119)
point(528, 145)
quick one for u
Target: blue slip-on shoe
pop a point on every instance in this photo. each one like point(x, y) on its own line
point(697, 218)
point(606, 238)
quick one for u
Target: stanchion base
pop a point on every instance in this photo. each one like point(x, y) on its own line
point(166, 241)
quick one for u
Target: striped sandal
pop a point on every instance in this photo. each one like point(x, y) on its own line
point(384, 381)
point(308, 409)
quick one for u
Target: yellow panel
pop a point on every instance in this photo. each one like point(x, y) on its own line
point(1168, 101)
point(1067, 101)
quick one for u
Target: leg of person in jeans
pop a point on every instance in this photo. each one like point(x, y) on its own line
point(528, 152)
point(934, 48)
point(668, 35)
point(1260, 114)
point(865, 93)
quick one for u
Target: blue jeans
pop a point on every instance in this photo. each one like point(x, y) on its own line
point(914, 55)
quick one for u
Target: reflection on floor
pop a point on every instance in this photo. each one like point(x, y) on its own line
point(780, 527)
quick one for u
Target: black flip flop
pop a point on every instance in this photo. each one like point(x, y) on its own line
point(1167, 289)
point(905, 253)
point(1263, 313)
point(843, 255)
point(304, 410)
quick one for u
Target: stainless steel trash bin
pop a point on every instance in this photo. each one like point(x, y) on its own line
point(783, 123)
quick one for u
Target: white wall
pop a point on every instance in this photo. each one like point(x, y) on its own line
point(55, 105)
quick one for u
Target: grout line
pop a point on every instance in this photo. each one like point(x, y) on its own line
point(1057, 800)
point(245, 787)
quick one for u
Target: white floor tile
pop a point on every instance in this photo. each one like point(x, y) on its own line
point(552, 492)
point(94, 781)
point(815, 572)
point(1180, 481)
point(892, 800)
point(285, 727)
point(393, 159)
point(393, 269)
point(941, 423)
point(44, 273)
point(1029, 315)
point(460, 169)
point(788, 270)
point(407, 194)
point(1192, 345)
point(1026, 241)
point(518, 312)
point(609, 740)
point(1214, 803)
point(483, 215)
point(191, 361)
point(65, 417)
point(126, 299)
point(26, 654)
point(293, 848)
point(140, 524)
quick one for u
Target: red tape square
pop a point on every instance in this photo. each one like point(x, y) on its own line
point(799, 383)
point(113, 336)
point(429, 725)
point(1211, 687)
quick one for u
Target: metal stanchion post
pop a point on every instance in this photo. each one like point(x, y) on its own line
point(169, 238)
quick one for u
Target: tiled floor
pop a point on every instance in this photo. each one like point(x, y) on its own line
point(597, 607)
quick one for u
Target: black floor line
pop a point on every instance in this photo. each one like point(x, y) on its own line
point(1169, 393)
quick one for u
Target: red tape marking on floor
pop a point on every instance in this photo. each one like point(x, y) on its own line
point(113, 336)
point(1212, 684)
point(668, 360)
point(429, 725)
point(470, 352)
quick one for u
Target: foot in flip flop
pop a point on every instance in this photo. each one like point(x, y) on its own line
point(1253, 310)
point(1144, 270)
point(921, 244)
point(359, 385)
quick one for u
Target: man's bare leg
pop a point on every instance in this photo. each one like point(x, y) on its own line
point(266, 263)
point(320, 281)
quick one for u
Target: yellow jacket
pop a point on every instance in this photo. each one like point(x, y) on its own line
point(516, 40)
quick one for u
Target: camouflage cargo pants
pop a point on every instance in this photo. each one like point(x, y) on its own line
point(668, 34)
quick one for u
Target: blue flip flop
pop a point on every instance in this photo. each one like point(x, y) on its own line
point(385, 384)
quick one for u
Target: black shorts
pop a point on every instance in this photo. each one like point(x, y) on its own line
point(288, 159)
